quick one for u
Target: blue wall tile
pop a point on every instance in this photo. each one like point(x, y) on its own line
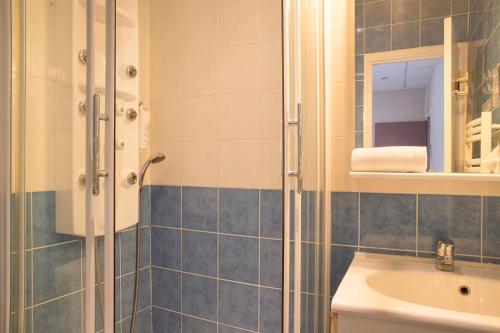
point(166, 321)
point(127, 249)
point(271, 265)
point(199, 296)
point(238, 305)
point(127, 283)
point(377, 13)
point(455, 217)
point(146, 205)
point(56, 271)
point(345, 218)
point(239, 211)
point(405, 11)
point(229, 329)
point(143, 323)
point(166, 206)
point(433, 8)
point(378, 39)
point(405, 35)
point(194, 325)
point(341, 257)
point(166, 289)
point(166, 247)
point(199, 208)
point(271, 213)
point(199, 253)
point(61, 315)
point(270, 310)
point(239, 258)
point(388, 220)
point(44, 220)
point(432, 32)
point(491, 241)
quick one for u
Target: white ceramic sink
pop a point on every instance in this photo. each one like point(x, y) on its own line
point(411, 290)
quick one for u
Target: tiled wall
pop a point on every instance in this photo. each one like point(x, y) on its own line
point(384, 25)
point(215, 91)
point(216, 257)
point(410, 225)
point(484, 36)
point(55, 264)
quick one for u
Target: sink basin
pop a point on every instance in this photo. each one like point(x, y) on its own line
point(411, 290)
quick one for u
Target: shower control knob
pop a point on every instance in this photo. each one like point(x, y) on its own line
point(131, 71)
point(82, 56)
point(132, 178)
point(131, 114)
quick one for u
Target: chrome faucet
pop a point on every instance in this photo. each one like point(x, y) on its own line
point(445, 255)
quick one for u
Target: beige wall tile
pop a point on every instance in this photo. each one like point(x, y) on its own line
point(39, 105)
point(239, 163)
point(169, 172)
point(271, 77)
point(198, 73)
point(271, 164)
point(270, 19)
point(239, 22)
point(239, 115)
point(342, 109)
point(39, 162)
point(272, 113)
point(199, 163)
point(200, 28)
point(167, 123)
point(238, 69)
point(199, 118)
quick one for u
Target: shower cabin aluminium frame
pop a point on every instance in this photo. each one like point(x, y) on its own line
point(6, 164)
point(5, 160)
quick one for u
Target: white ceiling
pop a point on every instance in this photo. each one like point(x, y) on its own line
point(402, 75)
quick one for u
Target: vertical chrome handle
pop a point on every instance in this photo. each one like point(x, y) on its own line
point(298, 174)
point(97, 173)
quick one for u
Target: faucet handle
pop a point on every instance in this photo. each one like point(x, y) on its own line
point(445, 247)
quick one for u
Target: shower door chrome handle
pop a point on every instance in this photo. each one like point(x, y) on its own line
point(97, 173)
point(298, 173)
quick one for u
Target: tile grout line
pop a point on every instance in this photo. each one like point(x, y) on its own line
point(416, 223)
point(481, 221)
point(359, 221)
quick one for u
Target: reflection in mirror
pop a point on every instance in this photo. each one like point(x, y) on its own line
point(433, 108)
point(408, 107)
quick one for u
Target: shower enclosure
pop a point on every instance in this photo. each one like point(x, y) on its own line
point(232, 92)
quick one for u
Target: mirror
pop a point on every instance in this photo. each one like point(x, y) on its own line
point(428, 110)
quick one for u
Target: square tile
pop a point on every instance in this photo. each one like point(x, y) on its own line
point(270, 310)
point(44, 220)
point(194, 325)
point(431, 32)
point(432, 8)
point(455, 217)
point(405, 11)
point(166, 206)
point(378, 39)
point(146, 205)
point(166, 247)
point(271, 213)
point(341, 259)
point(377, 13)
point(406, 35)
point(238, 305)
point(166, 289)
point(166, 321)
point(271, 263)
point(145, 292)
point(239, 211)
point(60, 315)
point(345, 218)
point(388, 220)
point(199, 208)
point(199, 296)
point(239, 258)
point(56, 271)
point(199, 253)
point(491, 231)
point(459, 6)
point(127, 249)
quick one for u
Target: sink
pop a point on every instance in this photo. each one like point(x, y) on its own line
point(393, 290)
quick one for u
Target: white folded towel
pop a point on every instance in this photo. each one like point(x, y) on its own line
point(389, 159)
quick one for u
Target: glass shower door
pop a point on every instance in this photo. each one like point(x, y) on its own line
point(55, 211)
point(304, 273)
